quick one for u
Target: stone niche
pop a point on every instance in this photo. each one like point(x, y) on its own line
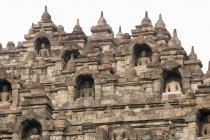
point(141, 54)
point(67, 56)
point(42, 47)
point(171, 84)
point(203, 124)
point(85, 87)
point(5, 94)
point(31, 129)
point(172, 81)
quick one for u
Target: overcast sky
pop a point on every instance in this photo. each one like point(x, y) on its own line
point(191, 18)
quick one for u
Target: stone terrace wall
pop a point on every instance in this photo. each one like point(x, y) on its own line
point(69, 86)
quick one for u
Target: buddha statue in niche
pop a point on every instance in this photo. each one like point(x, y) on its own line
point(120, 134)
point(86, 90)
point(143, 59)
point(173, 85)
point(206, 127)
point(5, 96)
point(44, 51)
point(34, 135)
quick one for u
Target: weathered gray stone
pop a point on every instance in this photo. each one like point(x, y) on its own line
point(68, 86)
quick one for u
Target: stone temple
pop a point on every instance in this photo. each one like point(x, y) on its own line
point(70, 86)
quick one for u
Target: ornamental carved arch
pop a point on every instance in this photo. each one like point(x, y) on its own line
point(83, 82)
point(9, 85)
point(177, 72)
point(203, 121)
point(141, 46)
point(141, 40)
point(42, 41)
point(42, 34)
point(31, 125)
point(172, 77)
point(85, 86)
point(141, 51)
point(84, 71)
point(30, 128)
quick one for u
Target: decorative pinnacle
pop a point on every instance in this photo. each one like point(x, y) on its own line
point(175, 33)
point(209, 66)
point(120, 30)
point(45, 16)
point(119, 35)
point(175, 42)
point(77, 28)
point(45, 8)
point(160, 17)
point(192, 49)
point(77, 23)
point(207, 75)
point(146, 14)
point(160, 23)
point(192, 54)
point(102, 14)
point(101, 20)
point(146, 22)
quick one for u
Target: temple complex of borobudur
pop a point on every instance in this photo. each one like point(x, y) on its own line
point(70, 86)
